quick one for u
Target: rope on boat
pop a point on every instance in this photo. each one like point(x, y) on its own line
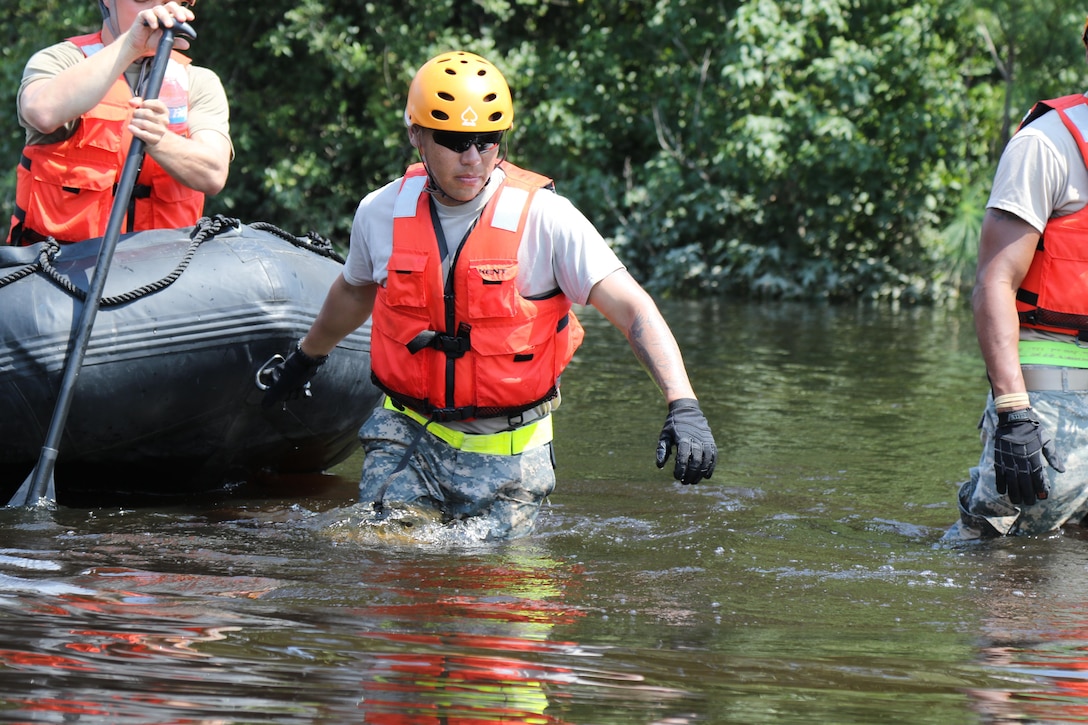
point(45, 257)
point(312, 241)
point(205, 229)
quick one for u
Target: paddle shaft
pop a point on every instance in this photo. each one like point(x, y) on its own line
point(40, 483)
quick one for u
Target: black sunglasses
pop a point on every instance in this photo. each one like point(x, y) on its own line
point(461, 142)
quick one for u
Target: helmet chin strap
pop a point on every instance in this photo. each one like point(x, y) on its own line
point(110, 17)
point(432, 186)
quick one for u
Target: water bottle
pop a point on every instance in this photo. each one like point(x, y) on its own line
point(176, 97)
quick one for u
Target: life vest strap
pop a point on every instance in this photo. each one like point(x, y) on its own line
point(454, 346)
point(1027, 297)
point(466, 413)
point(1077, 324)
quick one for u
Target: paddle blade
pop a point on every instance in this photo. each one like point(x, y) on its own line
point(39, 488)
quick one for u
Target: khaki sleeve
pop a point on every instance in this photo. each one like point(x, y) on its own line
point(43, 65)
point(209, 109)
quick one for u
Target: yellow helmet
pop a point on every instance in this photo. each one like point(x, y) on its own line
point(459, 91)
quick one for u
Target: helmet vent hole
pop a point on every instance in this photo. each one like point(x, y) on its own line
point(490, 98)
point(440, 115)
point(494, 117)
point(446, 96)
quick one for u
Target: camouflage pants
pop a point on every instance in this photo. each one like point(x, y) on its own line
point(503, 494)
point(986, 513)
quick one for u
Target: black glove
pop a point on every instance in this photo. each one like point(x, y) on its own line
point(687, 430)
point(290, 378)
point(1018, 465)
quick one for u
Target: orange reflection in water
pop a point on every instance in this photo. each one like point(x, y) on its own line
point(143, 620)
point(486, 663)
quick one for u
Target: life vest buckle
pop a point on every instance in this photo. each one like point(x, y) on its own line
point(445, 415)
point(454, 346)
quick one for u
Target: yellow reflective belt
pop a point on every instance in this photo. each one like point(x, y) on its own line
point(506, 443)
point(1053, 352)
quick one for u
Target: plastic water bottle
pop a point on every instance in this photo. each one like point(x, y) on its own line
point(177, 103)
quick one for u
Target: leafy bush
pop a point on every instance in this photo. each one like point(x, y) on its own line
point(785, 148)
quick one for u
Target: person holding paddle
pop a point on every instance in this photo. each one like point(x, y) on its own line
point(81, 104)
point(1031, 319)
point(470, 266)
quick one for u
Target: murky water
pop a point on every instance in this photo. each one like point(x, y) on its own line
point(802, 584)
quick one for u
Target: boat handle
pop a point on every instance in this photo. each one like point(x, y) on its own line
point(265, 371)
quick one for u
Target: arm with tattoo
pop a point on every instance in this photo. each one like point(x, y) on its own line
point(633, 312)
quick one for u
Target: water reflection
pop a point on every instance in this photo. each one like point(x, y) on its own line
point(475, 640)
point(802, 584)
point(1036, 632)
point(163, 627)
point(458, 676)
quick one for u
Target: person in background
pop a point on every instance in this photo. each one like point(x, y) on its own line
point(470, 266)
point(1031, 318)
point(80, 103)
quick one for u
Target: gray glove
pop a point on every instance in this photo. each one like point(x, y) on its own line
point(1020, 444)
point(687, 430)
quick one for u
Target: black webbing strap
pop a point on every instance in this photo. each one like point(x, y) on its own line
point(379, 499)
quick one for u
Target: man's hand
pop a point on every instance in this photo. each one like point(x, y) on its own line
point(687, 430)
point(143, 36)
point(150, 120)
point(289, 379)
point(1020, 444)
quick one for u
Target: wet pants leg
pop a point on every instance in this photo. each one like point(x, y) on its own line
point(500, 495)
point(986, 513)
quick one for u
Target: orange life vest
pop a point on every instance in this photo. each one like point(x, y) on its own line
point(470, 346)
point(66, 189)
point(1054, 293)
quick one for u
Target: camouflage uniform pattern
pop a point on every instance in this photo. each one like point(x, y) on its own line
point(503, 494)
point(986, 513)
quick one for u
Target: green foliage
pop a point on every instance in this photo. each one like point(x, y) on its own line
point(799, 149)
point(1030, 50)
point(788, 148)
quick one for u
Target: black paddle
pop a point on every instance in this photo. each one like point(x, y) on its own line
point(39, 484)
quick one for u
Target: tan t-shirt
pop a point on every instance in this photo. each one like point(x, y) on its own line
point(208, 107)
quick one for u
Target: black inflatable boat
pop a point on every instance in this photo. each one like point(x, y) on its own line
point(168, 399)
